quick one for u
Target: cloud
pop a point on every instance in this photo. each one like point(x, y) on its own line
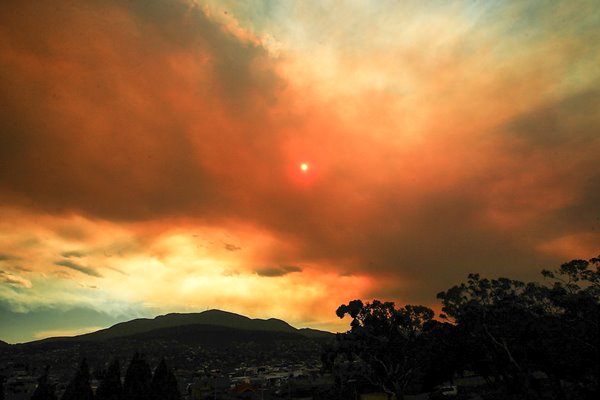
point(461, 140)
point(8, 257)
point(21, 268)
point(14, 280)
point(272, 272)
point(185, 90)
point(77, 267)
point(73, 253)
point(231, 247)
point(230, 273)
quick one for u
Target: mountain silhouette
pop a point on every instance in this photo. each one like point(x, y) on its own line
point(211, 335)
point(200, 322)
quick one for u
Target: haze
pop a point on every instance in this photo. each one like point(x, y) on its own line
point(278, 159)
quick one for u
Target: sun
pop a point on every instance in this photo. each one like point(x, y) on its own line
point(304, 167)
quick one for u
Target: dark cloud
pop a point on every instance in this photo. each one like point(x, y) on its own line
point(77, 267)
point(272, 272)
point(72, 232)
point(168, 89)
point(8, 257)
point(73, 253)
point(562, 126)
point(425, 236)
point(118, 270)
point(21, 268)
point(161, 112)
point(231, 247)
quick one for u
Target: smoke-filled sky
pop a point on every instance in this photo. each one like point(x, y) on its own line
point(280, 158)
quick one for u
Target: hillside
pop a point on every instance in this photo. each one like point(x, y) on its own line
point(211, 335)
point(216, 318)
point(189, 346)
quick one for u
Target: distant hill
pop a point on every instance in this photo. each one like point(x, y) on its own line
point(4, 344)
point(189, 347)
point(214, 318)
point(315, 333)
point(212, 335)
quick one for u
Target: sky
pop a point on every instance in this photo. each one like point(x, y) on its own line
point(280, 158)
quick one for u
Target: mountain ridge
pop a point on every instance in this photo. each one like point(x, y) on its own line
point(213, 317)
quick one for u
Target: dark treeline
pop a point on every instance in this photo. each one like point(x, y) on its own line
point(139, 383)
point(525, 340)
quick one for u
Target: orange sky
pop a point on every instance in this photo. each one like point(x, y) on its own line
point(151, 152)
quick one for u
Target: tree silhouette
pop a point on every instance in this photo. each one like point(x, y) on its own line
point(79, 388)
point(445, 353)
point(575, 296)
point(110, 387)
point(44, 391)
point(164, 383)
point(500, 317)
point(519, 329)
point(385, 345)
point(138, 379)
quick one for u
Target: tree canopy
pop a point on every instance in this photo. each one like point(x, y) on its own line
point(529, 340)
point(385, 344)
point(110, 387)
point(79, 388)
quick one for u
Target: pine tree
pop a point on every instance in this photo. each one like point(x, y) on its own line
point(164, 383)
point(111, 387)
point(138, 379)
point(79, 388)
point(44, 391)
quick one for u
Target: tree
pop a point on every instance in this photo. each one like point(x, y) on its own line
point(138, 379)
point(575, 294)
point(519, 329)
point(110, 387)
point(385, 344)
point(44, 391)
point(445, 354)
point(164, 383)
point(79, 388)
point(502, 319)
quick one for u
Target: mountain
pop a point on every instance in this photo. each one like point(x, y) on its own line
point(215, 318)
point(4, 344)
point(315, 333)
point(221, 341)
point(211, 335)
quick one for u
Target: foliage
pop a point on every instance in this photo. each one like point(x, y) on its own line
point(79, 388)
point(164, 383)
point(521, 329)
point(385, 345)
point(527, 340)
point(138, 379)
point(110, 387)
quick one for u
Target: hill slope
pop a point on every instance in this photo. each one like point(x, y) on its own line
point(216, 318)
point(211, 335)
